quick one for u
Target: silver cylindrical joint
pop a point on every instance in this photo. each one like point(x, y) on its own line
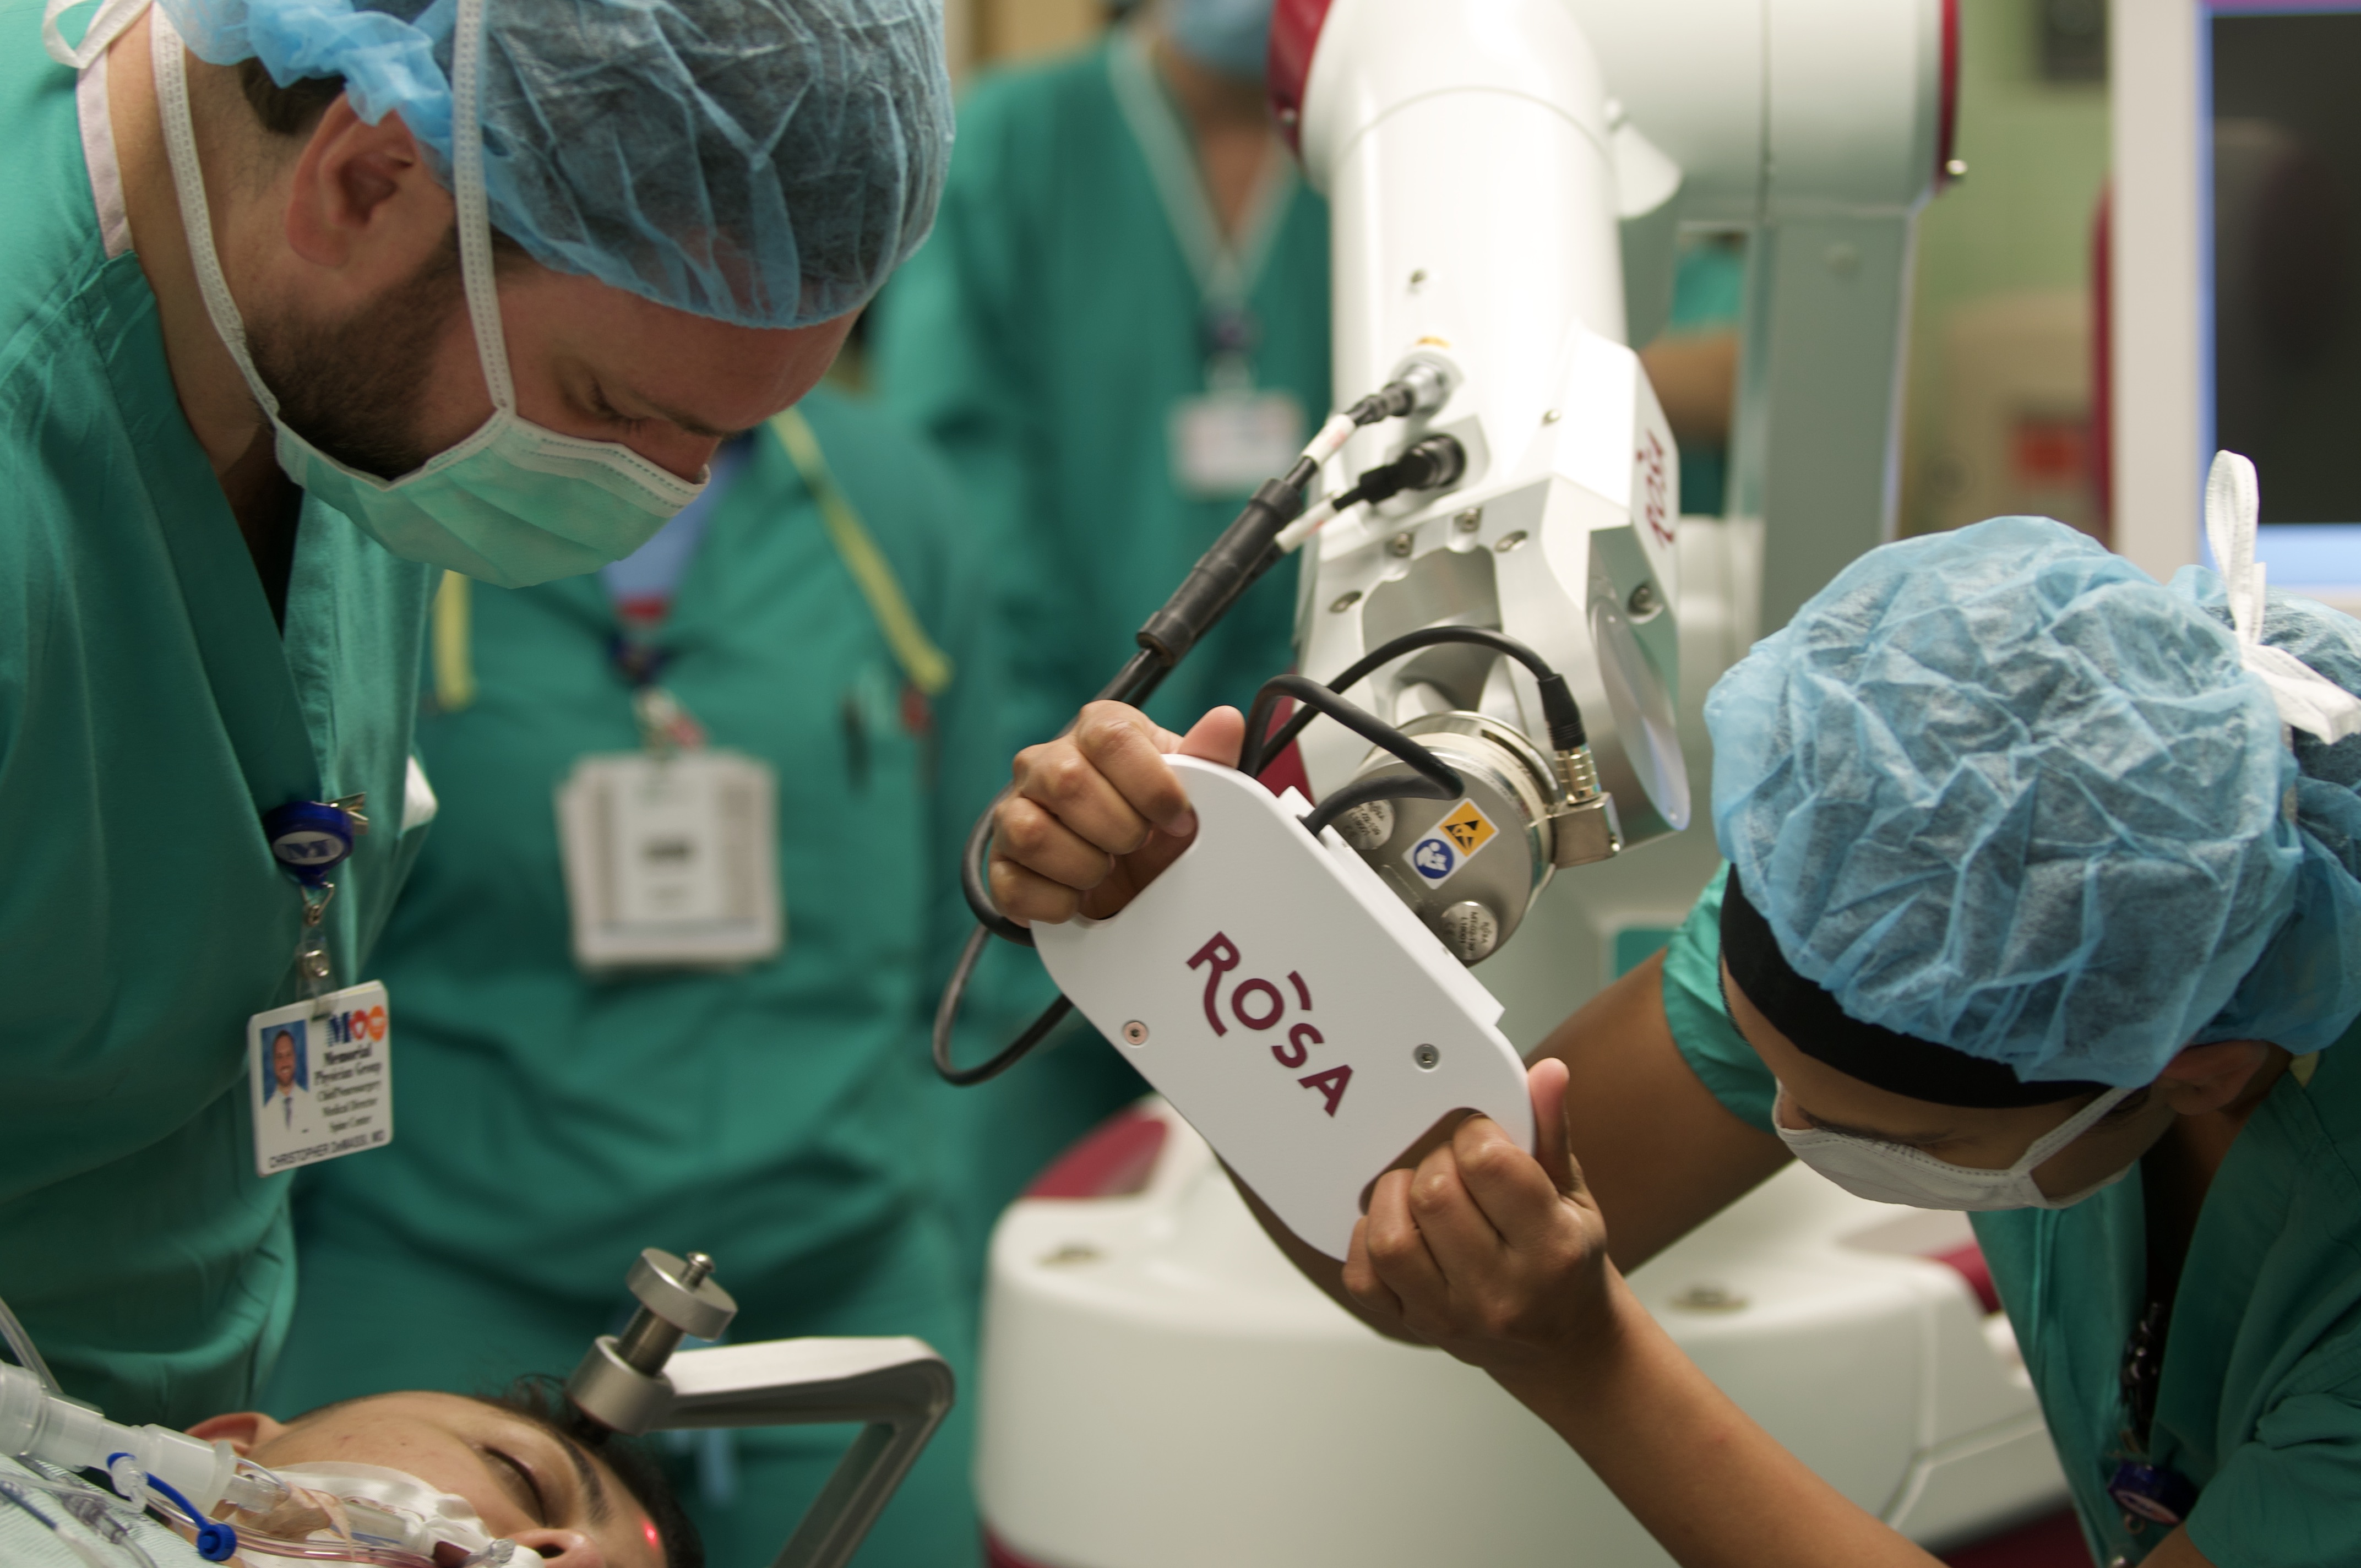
point(677, 1297)
point(647, 1342)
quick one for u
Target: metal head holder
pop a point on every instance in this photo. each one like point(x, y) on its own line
point(621, 1384)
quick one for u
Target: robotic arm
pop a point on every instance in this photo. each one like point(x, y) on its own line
point(1489, 610)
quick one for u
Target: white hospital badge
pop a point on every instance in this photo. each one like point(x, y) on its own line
point(672, 861)
point(1224, 444)
point(321, 1076)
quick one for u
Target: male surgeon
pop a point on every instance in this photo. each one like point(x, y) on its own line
point(300, 302)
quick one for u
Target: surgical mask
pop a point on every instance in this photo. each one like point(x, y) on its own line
point(1232, 37)
point(1892, 1173)
point(381, 1510)
point(515, 504)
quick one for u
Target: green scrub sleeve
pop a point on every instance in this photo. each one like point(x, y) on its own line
point(1709, 1041)
point(2286, 1496)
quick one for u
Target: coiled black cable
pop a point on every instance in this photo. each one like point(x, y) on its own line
point(1436, 780)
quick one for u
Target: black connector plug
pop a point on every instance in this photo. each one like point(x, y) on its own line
point(1430, 465)
point(1561, 713)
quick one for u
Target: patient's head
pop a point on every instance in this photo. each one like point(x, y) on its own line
point(512, 1457)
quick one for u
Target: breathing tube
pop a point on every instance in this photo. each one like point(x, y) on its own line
point(327, 1513)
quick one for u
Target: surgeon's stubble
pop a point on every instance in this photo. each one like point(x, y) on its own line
point(352, 388)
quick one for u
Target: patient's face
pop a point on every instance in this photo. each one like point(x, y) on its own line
point(528, 1484)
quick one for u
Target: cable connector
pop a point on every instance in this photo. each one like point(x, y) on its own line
point(1421, 389)
point(1584, 827)
point(1433, 464)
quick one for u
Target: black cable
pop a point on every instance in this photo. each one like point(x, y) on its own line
point(1435, 780)
point(1559, 711)
point(947, 1017)
point(1235, 563)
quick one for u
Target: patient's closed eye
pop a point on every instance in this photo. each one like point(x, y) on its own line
point(520, 1479)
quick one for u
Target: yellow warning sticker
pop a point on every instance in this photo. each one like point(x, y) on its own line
point(1470, 829)
point(1445, 848)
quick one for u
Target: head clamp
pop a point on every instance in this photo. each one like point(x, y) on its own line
point(620, 1386)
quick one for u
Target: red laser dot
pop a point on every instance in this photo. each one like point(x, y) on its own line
point(648, 1528)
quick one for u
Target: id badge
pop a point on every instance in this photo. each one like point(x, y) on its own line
point(321, 1073)
point(1225, 443)
point(672, 861)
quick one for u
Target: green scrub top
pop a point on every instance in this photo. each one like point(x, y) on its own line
point(1044, 336)
point(149, 711)
point(551, 1124)
point(2259, 1403)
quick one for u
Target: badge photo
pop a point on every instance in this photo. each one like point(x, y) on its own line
point(321, 1078)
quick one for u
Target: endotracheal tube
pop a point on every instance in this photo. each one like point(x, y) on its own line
point(367, 1517)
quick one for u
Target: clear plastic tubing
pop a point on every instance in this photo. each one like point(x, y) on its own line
point(38, 1424)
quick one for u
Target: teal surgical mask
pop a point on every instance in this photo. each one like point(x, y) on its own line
point(1232, 37)
point(514, 504)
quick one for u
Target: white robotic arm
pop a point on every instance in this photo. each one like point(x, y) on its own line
point(1485, 190)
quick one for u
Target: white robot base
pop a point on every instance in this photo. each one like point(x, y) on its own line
point(1287, 1004)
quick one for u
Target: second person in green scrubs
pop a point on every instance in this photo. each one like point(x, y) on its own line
point(1118, 329)
point(554, 1121)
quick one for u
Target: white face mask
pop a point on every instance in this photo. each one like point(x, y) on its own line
point(1892, 1173)
point(394, 1510)
point(515, 504)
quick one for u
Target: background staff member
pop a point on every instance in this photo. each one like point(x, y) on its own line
point(202, 614)
point(808, 616)
point(2029, 891)
point(1119, 328)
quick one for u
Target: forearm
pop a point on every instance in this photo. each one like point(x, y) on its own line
point(1711, 1486)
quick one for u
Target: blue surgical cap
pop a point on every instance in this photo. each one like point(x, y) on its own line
point(766, 162)
point(2000, 790)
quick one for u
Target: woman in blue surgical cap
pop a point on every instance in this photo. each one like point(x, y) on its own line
point(2043, 902)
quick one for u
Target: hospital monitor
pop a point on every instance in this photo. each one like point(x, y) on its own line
point(2234, 278)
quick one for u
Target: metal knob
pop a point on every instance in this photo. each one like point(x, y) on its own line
point(620, 1384)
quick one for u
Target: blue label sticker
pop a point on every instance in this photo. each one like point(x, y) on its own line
point(1434, 859)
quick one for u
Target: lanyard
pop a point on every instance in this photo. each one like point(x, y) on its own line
point(1225, 273)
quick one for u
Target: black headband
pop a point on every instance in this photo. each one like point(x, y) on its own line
point(1813, 1022)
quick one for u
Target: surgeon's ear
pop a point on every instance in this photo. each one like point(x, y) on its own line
point(2206, 1078)
point(362, 200)
point(247, 1430)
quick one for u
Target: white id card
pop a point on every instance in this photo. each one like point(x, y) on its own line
point(1225, 443)
point(322, 1077)
point(672, 861)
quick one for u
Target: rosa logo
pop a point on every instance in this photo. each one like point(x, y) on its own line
point(1260, 1004)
